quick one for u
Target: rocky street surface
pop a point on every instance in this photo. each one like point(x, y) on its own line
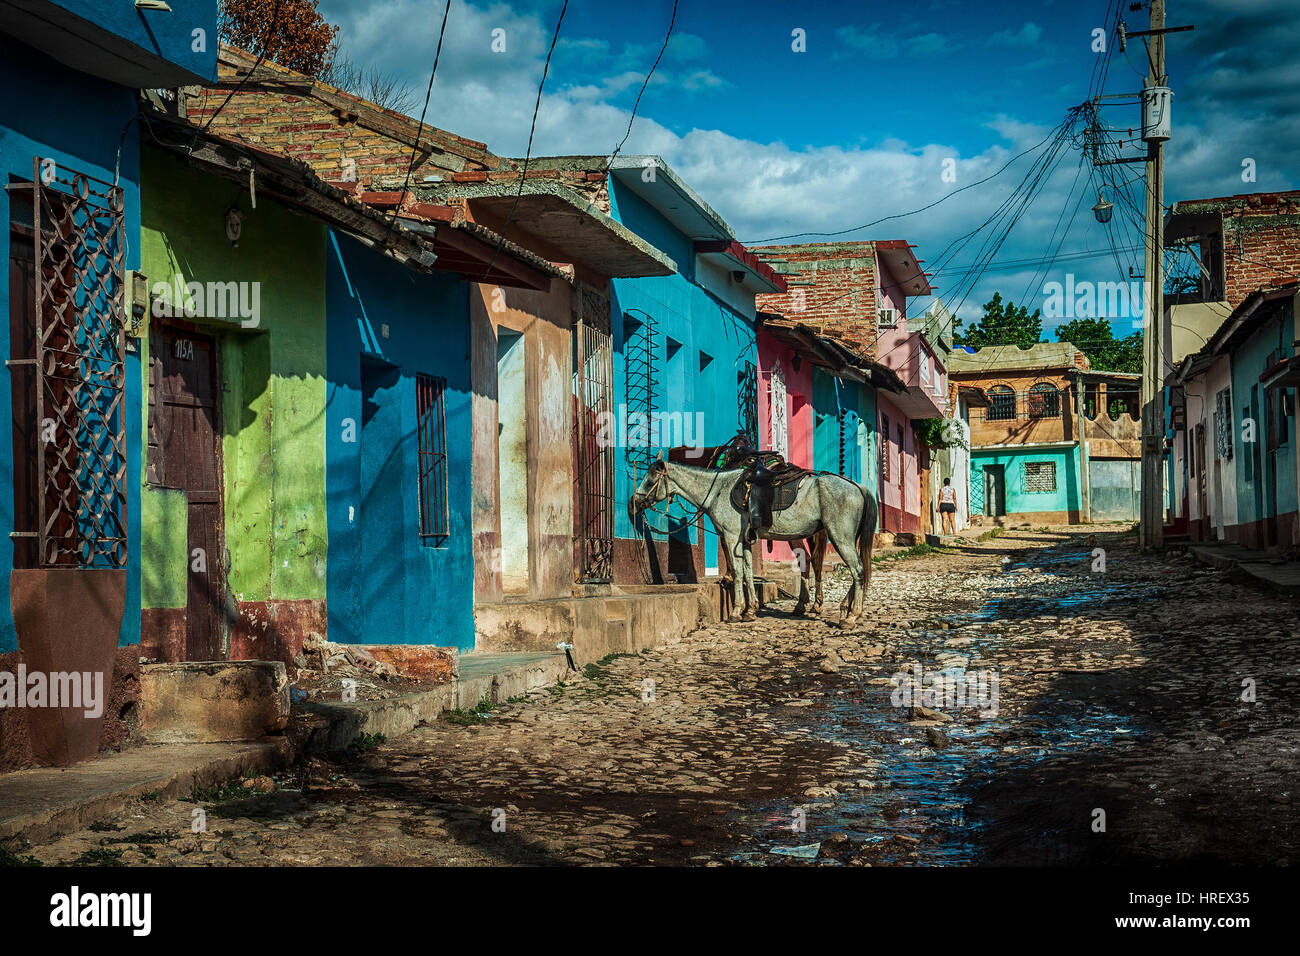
point(1144, 713)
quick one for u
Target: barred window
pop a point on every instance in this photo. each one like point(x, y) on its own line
point(431, 424)
point(1002, 404)
point(1044, 401)
point(1040, 476)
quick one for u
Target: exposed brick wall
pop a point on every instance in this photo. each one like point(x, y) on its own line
point(832, 288)
point(1261, 240)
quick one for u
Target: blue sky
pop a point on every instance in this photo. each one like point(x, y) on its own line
point(859, 126)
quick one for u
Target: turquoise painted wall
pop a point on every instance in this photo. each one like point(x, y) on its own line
point(700, 349)
point(839, 444)
point(1257, 486)
point(1066, 497)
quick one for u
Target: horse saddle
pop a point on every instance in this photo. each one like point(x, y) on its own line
point(769, 484)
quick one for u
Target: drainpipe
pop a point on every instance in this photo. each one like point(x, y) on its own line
point(1082, 425)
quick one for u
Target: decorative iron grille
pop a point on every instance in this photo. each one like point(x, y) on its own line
point(80, 375)
point(1040, 476)
point(977, 482)
point(593, 401)
point(747, 403)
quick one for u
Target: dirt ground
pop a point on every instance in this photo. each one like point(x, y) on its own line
point(1145, 713)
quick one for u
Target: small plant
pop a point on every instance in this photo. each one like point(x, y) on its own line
point(12, 859)
point(220, 793)
point(366, 742)
point(99, 857)
point(468, 718)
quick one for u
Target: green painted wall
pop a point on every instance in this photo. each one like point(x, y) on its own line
point(273, 382)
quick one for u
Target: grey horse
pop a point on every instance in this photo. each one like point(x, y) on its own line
point(843, 509)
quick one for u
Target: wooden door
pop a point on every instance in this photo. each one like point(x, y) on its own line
point(187, 410)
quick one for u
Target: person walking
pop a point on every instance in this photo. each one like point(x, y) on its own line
point(948, 508)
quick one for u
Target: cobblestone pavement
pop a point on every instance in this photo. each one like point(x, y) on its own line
point(1120, 693)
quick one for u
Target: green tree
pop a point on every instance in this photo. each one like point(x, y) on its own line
point(1008, 324)
point(1096, 339)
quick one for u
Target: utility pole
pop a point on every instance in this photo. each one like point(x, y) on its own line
point(1153, 399)
point(1081, 426)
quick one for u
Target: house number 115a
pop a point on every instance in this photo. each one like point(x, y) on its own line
point(185, 348)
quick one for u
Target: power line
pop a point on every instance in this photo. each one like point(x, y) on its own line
point(415, 147)
point(903, 215)
point(529, 152)
point(635, 106)
point(266, 46)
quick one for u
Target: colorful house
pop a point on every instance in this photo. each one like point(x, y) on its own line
point(531, 322)
point(311, 453)
point(69, 146)
point(1057, 442)
point(858, 292)
point(1230, 319)
point(830, 426)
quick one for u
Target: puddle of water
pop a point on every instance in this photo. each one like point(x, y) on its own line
point(916, 814)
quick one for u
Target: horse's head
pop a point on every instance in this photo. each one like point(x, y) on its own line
point(652, 489)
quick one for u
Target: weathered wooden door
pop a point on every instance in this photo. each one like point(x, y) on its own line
point(187, 409)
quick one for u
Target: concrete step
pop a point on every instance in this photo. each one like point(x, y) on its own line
point(40, 804)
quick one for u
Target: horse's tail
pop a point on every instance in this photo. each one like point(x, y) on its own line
point(867, 532)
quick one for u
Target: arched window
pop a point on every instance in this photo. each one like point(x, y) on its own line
point(1002, 403)
point(1044, 401)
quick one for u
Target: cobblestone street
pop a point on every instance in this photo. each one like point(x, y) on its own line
point(1119, 692)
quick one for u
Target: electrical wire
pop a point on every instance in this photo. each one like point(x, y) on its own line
point(635, 106)
point(523, 175)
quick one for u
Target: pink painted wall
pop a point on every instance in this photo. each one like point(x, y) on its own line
point(799, 414)
point(900, 496)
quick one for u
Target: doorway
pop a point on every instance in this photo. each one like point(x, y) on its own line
point(512, 460)
point(995, 490)
point(188, 415)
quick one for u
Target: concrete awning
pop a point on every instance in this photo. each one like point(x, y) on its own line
point(670, 197)
point(902, 262)
point(554, 218)
point(917, 402)
point(757, 275)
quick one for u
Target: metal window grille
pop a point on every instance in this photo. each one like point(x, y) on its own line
point(1003, 404)
point(1223, 424)
point(1044, 401)
point(1040, 476)
point(747, 384)
point(80, 375)
point(431, 423)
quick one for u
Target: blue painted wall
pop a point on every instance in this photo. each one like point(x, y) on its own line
point(79, 125)
point(385, 584)
point(168, 35)
point(1256, 487)
point(696, 322)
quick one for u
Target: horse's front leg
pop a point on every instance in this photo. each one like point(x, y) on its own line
point(801, 564)
point(737, 576)
point(751, 596)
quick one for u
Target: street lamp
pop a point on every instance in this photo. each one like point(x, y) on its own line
point(1103, 209)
